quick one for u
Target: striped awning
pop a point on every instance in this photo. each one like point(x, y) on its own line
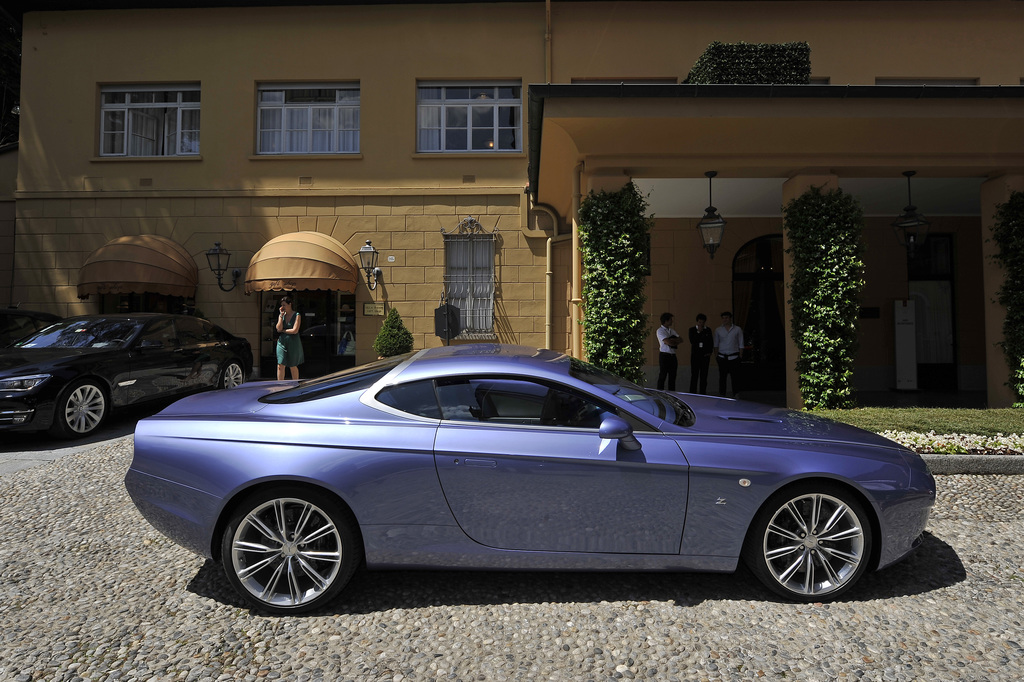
point(136, 264)
point(302, 260)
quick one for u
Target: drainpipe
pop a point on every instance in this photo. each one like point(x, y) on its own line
point(550, 239)
point(547, 41)
point(577, 265)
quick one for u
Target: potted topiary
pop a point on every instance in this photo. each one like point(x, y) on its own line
point(393, 338)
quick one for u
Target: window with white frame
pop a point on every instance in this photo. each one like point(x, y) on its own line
point(308, 118)
point(469, 277)
point(149, 120)
point(483, 117)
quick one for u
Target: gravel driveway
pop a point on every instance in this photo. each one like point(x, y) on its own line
point(88, 591)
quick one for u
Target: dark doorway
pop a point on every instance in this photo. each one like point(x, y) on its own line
point(930, 275)
point(758, 308)
point(327, 332)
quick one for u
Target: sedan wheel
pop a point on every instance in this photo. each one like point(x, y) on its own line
point(290, 550)
point(79, 411)
point(232, 376)
point(810, 544)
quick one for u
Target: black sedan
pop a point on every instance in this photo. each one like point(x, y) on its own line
point(67, 377)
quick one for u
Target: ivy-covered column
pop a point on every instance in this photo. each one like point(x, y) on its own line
point(791, 189)
point(994, 192)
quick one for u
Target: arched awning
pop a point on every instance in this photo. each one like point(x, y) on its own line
point(135, 264)
point(302, 260)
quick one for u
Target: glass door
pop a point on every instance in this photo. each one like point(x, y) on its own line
point(327, 332)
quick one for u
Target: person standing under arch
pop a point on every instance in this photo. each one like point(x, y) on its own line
point(668, 362)
point(728, 347)
point(289, 345)
point(702, 344)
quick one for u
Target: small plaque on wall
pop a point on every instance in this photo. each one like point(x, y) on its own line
point(373, 309)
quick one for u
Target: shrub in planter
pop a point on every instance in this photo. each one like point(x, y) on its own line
point(393, 338)
point(613, 240)
point(825, 235)
point(1008, 233)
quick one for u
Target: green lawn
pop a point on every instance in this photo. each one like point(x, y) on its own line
point(925, 419)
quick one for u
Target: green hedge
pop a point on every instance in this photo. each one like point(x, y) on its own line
point(746, 63)
point(613, 243)
point(1008, 233)
point(825, 236)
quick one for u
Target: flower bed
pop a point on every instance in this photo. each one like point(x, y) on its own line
point(957, 443)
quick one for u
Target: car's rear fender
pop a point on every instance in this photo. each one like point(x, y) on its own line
point(228, 459)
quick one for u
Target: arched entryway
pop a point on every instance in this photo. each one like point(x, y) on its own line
point(320, 275)
point(759, 300)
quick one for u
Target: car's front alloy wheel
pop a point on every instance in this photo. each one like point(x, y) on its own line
point(80, 409)
point(232, 375)
point(810, 543)
point(290, 550)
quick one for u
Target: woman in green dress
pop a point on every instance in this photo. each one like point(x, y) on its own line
point(289, 346)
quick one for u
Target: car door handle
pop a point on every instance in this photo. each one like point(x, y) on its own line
point(477, 462)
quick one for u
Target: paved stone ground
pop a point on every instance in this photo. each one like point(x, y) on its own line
point(88, 591)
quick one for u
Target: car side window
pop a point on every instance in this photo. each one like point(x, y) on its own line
point(514, 401)
point(415, 397)
point(190, 332)
point(160, 332)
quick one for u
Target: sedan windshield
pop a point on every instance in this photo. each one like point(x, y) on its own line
point(92, 333)
point(662, 405)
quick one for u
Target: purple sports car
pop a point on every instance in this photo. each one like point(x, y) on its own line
point(513, 458)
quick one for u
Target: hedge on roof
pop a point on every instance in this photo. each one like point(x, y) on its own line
point(613, 242)
point(747, 63)
point(1008, 233)
point(825, 236)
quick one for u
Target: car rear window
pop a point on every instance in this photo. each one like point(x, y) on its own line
point(351, 380)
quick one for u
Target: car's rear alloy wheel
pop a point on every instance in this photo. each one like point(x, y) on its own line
point(80, 409)
point(290, 550)
point(810, 543)
point(232, 375)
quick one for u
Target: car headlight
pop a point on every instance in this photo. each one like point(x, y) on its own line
point(26, 383)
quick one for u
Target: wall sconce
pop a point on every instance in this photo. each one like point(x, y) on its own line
point(218, 258)
point(368, 261)
point(711, 227)
point(911, 228)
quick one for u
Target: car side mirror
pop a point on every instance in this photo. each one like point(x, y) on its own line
point(616, 428)
point(150, 343)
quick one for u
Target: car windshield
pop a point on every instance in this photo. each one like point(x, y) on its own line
point(346, 381)
point(92, 333)
point(662, 405)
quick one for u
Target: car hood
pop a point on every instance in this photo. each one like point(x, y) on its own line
point(33, 360)
point(242, 399)
point(741, 418)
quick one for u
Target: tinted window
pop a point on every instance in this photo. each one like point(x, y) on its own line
point(92, 333)
point(191, 331)
point(416, 398)
point(355, 379)
point(158, 333)
point(514, 401)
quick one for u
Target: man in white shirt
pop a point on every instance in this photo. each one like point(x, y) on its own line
point(668, 363)
point(728, 348)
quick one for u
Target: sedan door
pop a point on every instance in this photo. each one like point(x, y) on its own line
point(523, 467)
point(158, 366)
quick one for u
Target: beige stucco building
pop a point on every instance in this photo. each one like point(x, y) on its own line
point(395, 123)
